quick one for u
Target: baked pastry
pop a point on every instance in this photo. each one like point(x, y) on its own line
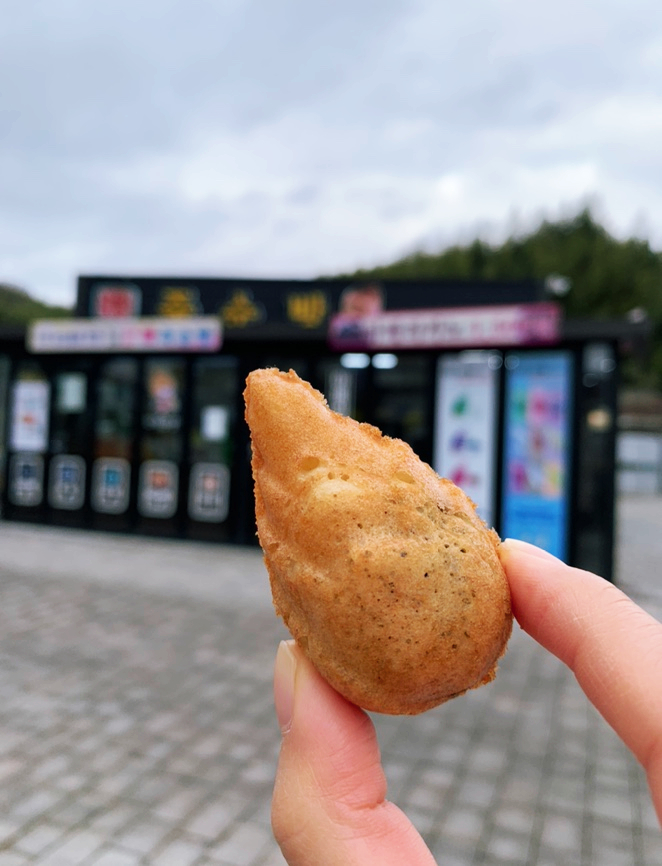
point(381, 570)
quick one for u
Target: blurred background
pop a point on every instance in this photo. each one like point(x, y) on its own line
point(232, 177)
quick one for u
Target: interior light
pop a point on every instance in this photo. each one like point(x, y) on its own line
point(384, 361)
point(355, 360)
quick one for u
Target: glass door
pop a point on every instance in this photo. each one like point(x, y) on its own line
point(211, 447)
point(162, 443)
point(114, 443)
point(27, 446)
point(69, 444)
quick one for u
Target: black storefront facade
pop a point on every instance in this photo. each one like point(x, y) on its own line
point(129, 417)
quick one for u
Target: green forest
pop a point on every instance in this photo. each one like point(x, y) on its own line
point(17, 307)
point(609, 278)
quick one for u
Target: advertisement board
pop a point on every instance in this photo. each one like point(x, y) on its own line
point(465, 425)
point(537, 449)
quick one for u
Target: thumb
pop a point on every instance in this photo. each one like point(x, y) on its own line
point(329, 806)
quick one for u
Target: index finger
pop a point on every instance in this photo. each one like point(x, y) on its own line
point(613, 646)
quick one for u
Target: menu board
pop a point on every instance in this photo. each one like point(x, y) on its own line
point(537, 449)
point(465, 428)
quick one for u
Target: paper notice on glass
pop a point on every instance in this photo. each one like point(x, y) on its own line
point(214, 423)
point(29, 416)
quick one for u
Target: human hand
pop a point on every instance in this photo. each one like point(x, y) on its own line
point(329, 806)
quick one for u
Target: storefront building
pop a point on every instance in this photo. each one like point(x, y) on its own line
point(129, 417)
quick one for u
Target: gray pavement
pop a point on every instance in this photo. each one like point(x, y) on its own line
point(136, 721)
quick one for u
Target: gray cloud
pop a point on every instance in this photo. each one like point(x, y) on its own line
point(296, 138)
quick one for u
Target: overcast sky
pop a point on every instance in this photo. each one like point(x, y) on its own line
point(291, 138)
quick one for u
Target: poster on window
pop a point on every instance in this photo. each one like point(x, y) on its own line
point(110, 485)
point(158, 488)
point(209, 492)
point(537, 447)
point(465, 425)
point(29, 416)
point(163, 382)
point(66, 485)
point(26, 479)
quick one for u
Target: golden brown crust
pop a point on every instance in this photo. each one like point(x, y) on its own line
point(381, 570)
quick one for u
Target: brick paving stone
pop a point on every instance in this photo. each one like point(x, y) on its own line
point(243, 847)
point(216, 817)
point(143, 836)
point(73, 850)
point(39, 838)
point(9, 858)
point(180, 852)
point(137, 727)
point(115, 857)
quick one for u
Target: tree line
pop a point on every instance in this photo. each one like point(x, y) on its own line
point(608, 278)
point(17, 307)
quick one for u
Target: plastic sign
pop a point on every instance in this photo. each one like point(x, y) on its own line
point(449, 328)
point(66, 486)
point(26, 479)
point(146, 334)
point(209, 492)
point(110, 485)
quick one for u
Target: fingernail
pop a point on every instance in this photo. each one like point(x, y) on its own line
point(284, 674)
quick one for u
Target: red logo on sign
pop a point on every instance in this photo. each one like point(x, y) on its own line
point(116, 302)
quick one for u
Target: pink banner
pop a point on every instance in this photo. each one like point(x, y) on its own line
point(453, 328)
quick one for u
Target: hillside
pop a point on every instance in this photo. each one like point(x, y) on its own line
point(18, 308)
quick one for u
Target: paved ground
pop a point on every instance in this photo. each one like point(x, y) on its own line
point(136, 723)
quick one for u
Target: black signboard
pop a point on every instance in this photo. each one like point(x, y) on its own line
point(285, 309)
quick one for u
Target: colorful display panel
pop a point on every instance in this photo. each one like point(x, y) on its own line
point(537, 449)
point(465, 428)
